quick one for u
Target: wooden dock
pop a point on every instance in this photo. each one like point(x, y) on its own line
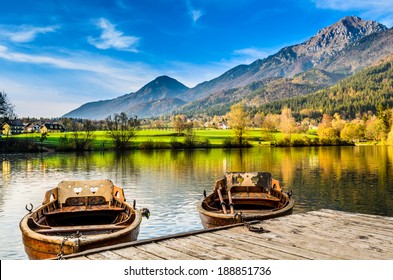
point(321, 235)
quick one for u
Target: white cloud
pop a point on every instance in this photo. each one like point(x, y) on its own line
point(79, 61)
point(381, 10)
point(24, 33)
point(112, 38)
point(195, 14)
point(66, 81)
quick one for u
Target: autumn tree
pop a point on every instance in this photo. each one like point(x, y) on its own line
point(180, 123)
point(269, 125)
point(325, 128)
point(353, 131)
point(375, 129)
point(239, 120)
point(287, 122)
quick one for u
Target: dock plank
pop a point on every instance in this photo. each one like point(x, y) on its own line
point(324, 234)
point(134, 253)
point(164, 252)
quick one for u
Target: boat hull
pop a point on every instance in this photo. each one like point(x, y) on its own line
point(40, 246)
point(211, 219)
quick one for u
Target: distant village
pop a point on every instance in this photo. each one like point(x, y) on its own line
point(18, 127)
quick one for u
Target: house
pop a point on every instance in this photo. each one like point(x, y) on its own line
point(52, 127)
point(13, 127)
point(31, 127)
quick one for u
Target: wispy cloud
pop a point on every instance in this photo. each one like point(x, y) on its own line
point(194, 13)
point(24, 33)
point(381, 10)
point(113, 39)
point(80, 61)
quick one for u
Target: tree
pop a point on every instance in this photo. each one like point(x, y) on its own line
point(375, 129)
point(179, 123)
point(353, 131)
point(239, 121)
point(83, 134)
point(325, 129)
point(287, 122)
point(6, 108)
point(122, 129)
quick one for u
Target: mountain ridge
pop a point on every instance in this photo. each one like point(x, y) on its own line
point(340, 49)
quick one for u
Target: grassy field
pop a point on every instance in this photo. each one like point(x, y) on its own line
point(163, 138)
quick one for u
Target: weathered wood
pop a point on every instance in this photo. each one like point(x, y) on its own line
point(250, 196)
point(226, 248)
point(257, 246)
point(161, 250)
point(194, 248)
point(81, 228)
point(134, 253)
point(277, 249)
point(50, 230)
point(323, 234)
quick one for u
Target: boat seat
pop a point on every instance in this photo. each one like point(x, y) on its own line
point(249, 179)
point(64, 229)
point(254, 196)
point(91, 192)
point(83, 208)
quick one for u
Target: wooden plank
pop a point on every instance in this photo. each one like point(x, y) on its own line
point(134, 253)
point(260, 246)
point(109, 255)
point(241, 250)
point(82, 228)
point(305, 242)
point(279, 249)
point(380, 222)
point(348, 229)
point(323, 234)
point(229, 252)
point(80, 258)
point(325, 239)
point(194, 248)
point(165, 252)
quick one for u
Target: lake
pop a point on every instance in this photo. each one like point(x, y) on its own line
point(169, 183)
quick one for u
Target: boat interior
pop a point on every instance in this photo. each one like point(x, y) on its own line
point(246, 192)
point(87, 206)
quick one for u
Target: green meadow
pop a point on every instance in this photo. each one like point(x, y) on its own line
point(164, 139)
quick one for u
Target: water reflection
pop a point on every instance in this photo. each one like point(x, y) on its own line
point(170, 183)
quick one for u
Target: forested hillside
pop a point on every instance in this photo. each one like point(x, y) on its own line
point(355, 95)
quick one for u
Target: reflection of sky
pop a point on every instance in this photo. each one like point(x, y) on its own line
point(170, 183)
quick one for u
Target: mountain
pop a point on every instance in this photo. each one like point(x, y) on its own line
point(334, 52)
point(260, 92)
point(355, 95)
point(327, 44)
point(153, 99)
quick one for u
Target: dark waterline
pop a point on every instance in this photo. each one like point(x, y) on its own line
point(170, 183)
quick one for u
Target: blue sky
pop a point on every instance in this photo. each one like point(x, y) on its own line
point(56, 55)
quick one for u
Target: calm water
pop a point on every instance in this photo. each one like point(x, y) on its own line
point(169, 183)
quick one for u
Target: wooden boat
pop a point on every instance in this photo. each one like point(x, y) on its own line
point(241, 196)
point(79, 215)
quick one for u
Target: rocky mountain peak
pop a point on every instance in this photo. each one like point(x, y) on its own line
point(337, 36)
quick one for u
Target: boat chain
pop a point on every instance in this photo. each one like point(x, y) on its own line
point(60, 255)
point(239, 217)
